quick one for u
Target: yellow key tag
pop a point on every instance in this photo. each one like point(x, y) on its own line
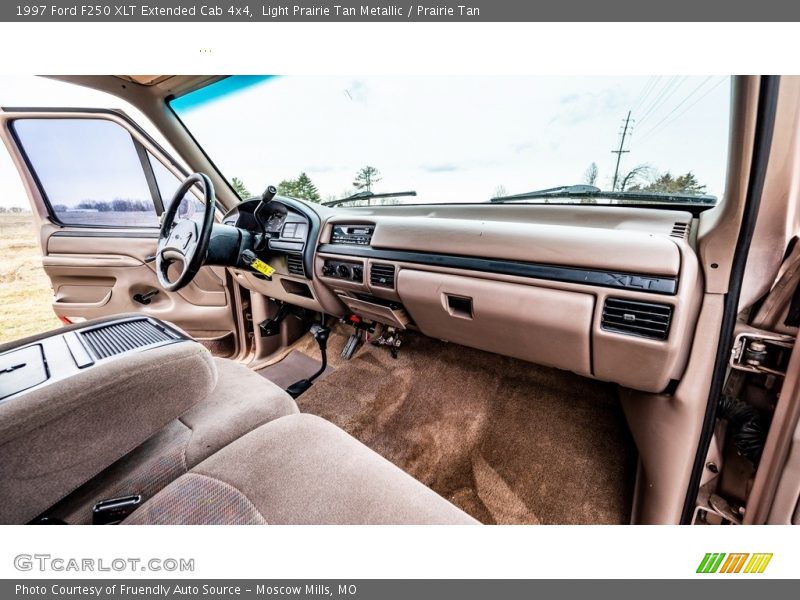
point(262, 267)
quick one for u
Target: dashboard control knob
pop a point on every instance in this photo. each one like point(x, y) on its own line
point(343, 271)
point(328, 270)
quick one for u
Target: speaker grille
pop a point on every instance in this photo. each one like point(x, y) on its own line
point(117, 338)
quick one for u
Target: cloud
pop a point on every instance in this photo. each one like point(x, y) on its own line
point(577, 108)
point(440, 168)
point(524, 147)
point(357, 91)
point(321, 169)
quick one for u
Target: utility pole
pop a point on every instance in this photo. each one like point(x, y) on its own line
point(619, 152)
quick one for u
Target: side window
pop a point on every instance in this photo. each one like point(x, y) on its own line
point(89, 170)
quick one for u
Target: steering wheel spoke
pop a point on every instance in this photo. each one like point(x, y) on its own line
point(184, 241)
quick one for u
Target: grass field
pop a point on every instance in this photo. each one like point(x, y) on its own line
point(25, 293)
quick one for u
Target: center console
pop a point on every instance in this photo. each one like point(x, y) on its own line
point(62, 355)
point(76, 400)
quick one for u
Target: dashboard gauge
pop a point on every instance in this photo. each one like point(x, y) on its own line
point(275, 221)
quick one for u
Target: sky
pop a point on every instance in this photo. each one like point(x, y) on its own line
point(452, 139)
point(458, 139)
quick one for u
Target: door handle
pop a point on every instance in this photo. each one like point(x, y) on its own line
point(145, 298)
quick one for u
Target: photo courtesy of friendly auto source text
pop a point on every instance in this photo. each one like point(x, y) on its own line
point(370, 299)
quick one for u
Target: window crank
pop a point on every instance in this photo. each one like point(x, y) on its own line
point(145, 298)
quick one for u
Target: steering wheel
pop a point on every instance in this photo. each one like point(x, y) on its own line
point(185, 240)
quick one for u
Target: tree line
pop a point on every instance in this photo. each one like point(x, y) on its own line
point(115, 205)
point(645, 178)
point(303, 187)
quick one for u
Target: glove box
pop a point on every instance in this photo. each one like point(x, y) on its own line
point(541, 325)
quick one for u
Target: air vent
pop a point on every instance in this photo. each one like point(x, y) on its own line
point(637, 318)
point(680, 230)
point(382, 276)
point(116, 338)
point(294, 262)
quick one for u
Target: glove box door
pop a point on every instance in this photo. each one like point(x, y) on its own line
point(541, 325)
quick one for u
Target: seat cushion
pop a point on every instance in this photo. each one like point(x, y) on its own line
point(241, 401)
point(299, 469)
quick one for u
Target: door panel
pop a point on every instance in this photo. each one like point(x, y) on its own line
point(98, 273)
point(97, 268)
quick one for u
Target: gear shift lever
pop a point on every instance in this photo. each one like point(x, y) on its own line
point(321, 335)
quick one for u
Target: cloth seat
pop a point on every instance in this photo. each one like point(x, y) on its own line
point(299, 469)
point(240, 402)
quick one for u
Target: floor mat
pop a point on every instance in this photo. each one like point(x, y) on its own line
point(507, 441)
point(293, 367)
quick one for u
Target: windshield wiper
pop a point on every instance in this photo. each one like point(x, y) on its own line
point(590, 191)
point(368, 196)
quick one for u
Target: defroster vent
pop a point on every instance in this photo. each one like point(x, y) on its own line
point(382, 276)
point(680, 229)
point(632, 317)
point(123, 336)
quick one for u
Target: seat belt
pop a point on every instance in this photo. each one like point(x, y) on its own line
point(793, 316)
point(784, 295)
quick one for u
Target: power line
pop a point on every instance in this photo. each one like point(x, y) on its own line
point(687, 109)
point(659, 94)
point(677, 106)
point(648, 87)
point(663, 101)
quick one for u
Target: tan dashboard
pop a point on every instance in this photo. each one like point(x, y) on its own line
point(616, 302)
point(611, 294)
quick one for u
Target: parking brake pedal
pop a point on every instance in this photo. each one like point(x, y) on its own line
point(321, 335)
point(272, 326)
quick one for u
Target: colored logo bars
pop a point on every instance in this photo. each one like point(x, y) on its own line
point(719, 562)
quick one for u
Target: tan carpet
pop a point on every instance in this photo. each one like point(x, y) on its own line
point(507, 441)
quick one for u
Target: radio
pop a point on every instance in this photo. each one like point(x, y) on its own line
point(355, 235)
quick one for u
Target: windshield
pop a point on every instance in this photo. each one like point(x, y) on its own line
point(373, 140)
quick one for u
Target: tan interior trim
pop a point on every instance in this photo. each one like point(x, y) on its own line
point(718, 228)
point(777, 447)
point(779, 210)
point(550, 244)
point(667, 428)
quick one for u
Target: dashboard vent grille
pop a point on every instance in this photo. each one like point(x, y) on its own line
point(382, 276)
point(294, 263)
point(116, 338)
point(637, 318)
point(680, 230)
